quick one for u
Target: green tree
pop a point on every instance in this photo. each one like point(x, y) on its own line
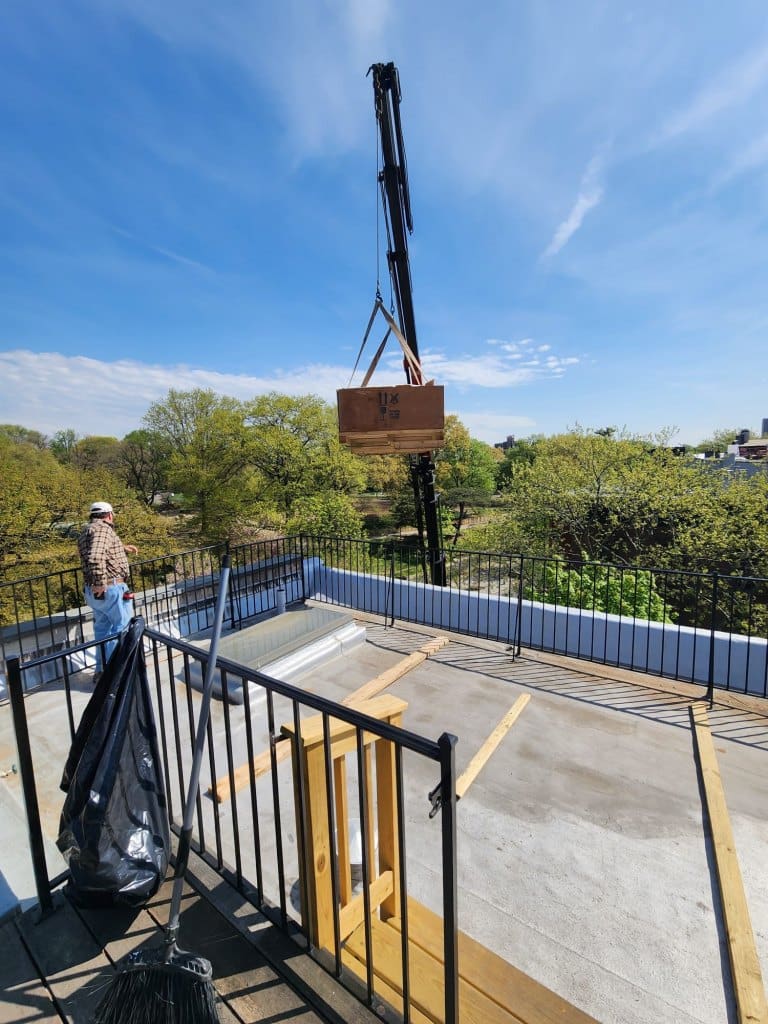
point(386, 474)
point(295, 448)
point(519, 456)
point(615, 499)
point(43, 505)
point(718, 441)
point(325, 515)
point(143, 463)
point(23, 435)
point(95, 451)
point(600, 588)
point(209, 454)
point(62, 444)
point(465, 471)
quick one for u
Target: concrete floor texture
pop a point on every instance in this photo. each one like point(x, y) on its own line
point(584, 852)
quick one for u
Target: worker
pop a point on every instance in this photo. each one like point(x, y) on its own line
point(105, 567)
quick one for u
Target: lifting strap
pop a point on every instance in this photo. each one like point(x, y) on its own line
point(392, 328)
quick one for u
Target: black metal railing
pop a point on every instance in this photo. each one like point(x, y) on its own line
point(700, 627)
point(249, 808)
point(175, 593)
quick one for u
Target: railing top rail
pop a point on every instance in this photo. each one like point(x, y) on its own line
point(45, 659)
point(403, 737)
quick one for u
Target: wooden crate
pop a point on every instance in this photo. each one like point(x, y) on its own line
point(385, 421)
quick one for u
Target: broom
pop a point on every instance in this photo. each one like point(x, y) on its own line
point(169, 985)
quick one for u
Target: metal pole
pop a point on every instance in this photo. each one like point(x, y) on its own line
point(26, 770)
point(182, 854)
point(447, 744)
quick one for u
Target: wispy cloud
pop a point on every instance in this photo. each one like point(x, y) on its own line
point(748, 159)
point(733, 86)
point(283, 48)
point(168, 254)
point(509, 365)
point(590, 195)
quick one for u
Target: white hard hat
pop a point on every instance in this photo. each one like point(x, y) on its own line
point(101, 508)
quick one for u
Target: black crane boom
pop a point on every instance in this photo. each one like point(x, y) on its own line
point(393, 179)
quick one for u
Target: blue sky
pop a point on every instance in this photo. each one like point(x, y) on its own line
point(188, 199)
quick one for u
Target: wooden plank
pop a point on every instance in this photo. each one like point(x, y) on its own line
point(385, 679)
point(24, 996)
point(651, 683)
point(392, 444)
point(262, 763)
point(221, 790)
point(382, 707)
point(342, 829)
point(386, 809)
point(382, 989)
point(533, 1002)
point(474, 767)
point(370, 807)
point(352, 915)
point(318, 839)
point(752, 1006)
point(69, 959)
point(249, 986)
point(426, 978)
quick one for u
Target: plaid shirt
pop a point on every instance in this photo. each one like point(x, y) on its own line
point(102, 554)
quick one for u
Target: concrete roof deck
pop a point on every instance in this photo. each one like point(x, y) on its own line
point(583, 854)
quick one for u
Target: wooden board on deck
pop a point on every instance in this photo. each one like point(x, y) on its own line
point(67, 956)
point(24, 996)
point(491, 991)
point(752, 1005)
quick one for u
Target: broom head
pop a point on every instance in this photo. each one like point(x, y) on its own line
point(163, 986)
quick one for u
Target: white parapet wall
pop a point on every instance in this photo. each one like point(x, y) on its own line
point(184, 609)
point(681, 652)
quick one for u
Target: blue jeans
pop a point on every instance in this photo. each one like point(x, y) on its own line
point(111, 615)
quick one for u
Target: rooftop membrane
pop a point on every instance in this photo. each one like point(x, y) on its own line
point(584, 856)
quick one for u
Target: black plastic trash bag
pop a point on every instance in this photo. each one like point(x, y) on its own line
point(114, 829)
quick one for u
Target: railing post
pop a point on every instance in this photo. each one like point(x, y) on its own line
point(712, 627)
point(391, 586)
point(519, 623)
point(303, 568)
point(26, 770)
point(447, 744)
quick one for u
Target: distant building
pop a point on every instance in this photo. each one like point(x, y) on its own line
point(764, 428)
point(757, 448)
point(743, 436)
point(506, 445)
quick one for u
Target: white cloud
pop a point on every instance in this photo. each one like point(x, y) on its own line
point(733, 86)
point(494, 370)
point(48, 391)
point(590, 195)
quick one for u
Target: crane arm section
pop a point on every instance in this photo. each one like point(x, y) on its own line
point(393, 181)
